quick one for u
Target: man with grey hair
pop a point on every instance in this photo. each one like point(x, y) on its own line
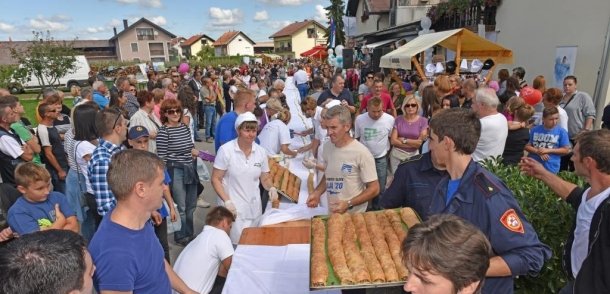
point(494, 127)
point(99, 94)
point(350, 179)
point(279, 85)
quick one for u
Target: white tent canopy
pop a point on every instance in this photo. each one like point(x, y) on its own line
point(465, 43)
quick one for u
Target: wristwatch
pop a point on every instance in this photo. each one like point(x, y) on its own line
point(349, 204)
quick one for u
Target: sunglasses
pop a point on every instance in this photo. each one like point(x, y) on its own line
point(172, 111)
point(369, 77)
point(175, 76)
point(132, 90)
point(116, 120)
point(410, 105)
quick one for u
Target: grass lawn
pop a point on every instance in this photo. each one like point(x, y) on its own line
point(29, 104)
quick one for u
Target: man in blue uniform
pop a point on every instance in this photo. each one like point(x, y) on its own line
point(477, 195)
point(413, 185)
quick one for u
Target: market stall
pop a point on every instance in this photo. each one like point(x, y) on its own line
point(465, 43)
point(317, 52)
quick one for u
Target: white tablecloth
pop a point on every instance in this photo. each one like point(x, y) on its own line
point(289, 212)
point(270, 269)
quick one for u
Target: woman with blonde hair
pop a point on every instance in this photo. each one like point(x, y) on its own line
point(444, 89)
point(409, 133)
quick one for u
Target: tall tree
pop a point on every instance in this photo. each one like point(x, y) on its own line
point(45, 59)
point(335, 13)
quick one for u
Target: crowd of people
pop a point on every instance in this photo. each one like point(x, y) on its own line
point(116, 168)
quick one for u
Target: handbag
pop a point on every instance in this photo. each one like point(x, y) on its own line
point(402, 155)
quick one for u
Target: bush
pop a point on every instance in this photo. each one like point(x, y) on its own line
point(551, 217)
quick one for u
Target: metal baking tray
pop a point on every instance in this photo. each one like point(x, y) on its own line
point(332, 282)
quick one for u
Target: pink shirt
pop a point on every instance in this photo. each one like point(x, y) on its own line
point(385, 99)
point(169, 95)
point(410, 130)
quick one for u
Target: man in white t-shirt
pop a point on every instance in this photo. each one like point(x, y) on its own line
point(494, 126)
point(373, 129)
point(301, 79)
point(204, 263)
point(350, 179)
point(586, 256)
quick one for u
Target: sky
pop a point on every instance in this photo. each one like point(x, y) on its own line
point(94, 19)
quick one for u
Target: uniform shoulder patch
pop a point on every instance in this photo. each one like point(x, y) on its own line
point(512, 222)
point(412, 158)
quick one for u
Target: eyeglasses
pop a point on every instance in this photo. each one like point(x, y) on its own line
point(175, 76)
point(172, 111)
point(410, 105)
point(132, 90)
point(117, 119)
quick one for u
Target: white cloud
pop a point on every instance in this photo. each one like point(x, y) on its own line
point(5, 27)
point(143, 3)
point(95, 30)
point(321, 14)
point(50, 24)
point(286, 2)
point(225, 17)
point(158, 20)
point(278, 24)
point(261, 15)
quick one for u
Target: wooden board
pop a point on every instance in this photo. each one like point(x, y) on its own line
point(275, 236)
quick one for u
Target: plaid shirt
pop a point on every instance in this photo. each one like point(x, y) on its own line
point(98, 167)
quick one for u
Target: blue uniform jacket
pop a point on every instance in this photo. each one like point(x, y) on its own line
point(413, 185)
point(486, 202)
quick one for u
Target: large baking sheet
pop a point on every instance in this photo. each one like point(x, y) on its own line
point(332, 282)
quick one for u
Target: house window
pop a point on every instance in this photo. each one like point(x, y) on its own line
point(156, 49)
point(157, 59)
point(403, 2)
point(204, 42)
point(134, 47)
point(239, 39)
point(136, 60)
point(312, 34)
point(145, 33)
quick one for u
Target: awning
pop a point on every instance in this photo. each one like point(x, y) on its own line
point(380, 43)
point(319, 52)
point(472, 46)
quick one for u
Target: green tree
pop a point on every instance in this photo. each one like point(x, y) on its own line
point(335, 12)
point(45, 59)
point(206, 52)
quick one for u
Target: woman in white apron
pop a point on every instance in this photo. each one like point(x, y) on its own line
point(239, 167)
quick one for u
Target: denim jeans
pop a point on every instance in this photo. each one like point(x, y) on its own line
point(185, 196)
point(196, 124)
point(210, 120)
point(74, 190)
point(381, 166)
point(303, 90)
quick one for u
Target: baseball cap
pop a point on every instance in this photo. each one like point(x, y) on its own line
point(137, 132)
point(244, 117)
point(530, 95)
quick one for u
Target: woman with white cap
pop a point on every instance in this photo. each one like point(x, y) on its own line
point(275, 135)
point(240, 166)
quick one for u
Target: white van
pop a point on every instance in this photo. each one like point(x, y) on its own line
point(77, 78)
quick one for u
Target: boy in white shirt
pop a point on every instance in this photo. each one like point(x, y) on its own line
point(204, 263)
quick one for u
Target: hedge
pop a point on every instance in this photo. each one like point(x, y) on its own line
point(551, 217)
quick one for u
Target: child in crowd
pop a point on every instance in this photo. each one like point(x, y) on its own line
point(548, 142)
point(204, 263)
point(38, 209)
point(518, 137)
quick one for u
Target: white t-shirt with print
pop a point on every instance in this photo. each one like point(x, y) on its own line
point(348, 169)
point(374, 134)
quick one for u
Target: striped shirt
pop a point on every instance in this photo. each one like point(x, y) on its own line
point(175, 144)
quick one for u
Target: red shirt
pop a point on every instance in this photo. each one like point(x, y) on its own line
point(385, 99)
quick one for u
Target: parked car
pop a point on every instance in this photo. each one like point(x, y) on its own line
point(76, 78)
